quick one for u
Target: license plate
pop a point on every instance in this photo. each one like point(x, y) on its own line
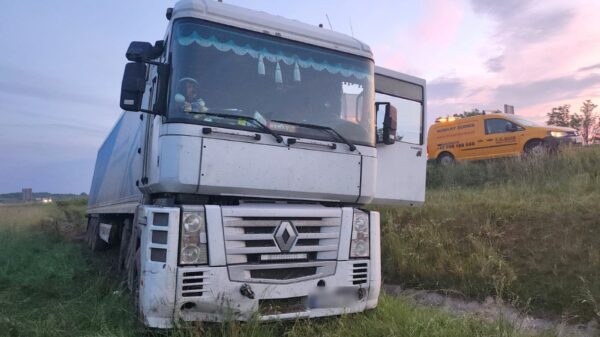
point(282, 257)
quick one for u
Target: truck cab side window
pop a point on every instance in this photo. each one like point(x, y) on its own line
point(499, 125)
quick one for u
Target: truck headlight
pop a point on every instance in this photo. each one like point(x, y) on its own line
point(558, 134)
point(193, 243)
point(359, 246)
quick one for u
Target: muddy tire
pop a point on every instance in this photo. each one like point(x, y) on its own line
point(95, 243)
point(445, 159)
point(135, 288)
point(124, 245)
point(535, 148)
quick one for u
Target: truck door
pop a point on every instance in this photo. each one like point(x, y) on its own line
point(401, 167)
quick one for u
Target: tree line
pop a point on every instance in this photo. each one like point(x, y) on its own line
point(587, 122)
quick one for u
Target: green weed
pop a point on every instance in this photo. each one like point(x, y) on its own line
point(527, 230)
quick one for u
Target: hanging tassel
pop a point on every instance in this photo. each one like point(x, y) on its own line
point(278, 77)
point(261, 66)
point(296, 72)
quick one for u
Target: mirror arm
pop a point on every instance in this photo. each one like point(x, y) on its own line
point(154, 63)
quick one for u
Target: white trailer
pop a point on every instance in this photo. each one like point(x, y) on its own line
point(234, 182)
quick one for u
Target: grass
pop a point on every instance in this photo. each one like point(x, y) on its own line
point(50, 285)
point(525, 230)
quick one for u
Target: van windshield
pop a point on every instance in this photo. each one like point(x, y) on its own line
point(221, 69)
point(523, 121)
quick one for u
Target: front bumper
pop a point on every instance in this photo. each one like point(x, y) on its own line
point(220, 299)
point(170, 293)
point(556, 142)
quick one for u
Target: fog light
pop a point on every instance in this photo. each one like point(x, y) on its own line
point(190, 254)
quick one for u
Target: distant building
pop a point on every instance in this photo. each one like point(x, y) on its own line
point(27, 195)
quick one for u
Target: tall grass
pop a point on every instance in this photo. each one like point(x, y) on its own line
point(526, 230)
point(52, 286)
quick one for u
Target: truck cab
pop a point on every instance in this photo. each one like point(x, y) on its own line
point(235, 181)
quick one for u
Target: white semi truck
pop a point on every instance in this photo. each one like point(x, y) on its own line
point(234, 182)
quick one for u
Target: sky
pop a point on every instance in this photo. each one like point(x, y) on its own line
point(61, 65)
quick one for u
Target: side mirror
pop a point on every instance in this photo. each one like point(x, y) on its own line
point(144, 51)
point(386, 123)
point(133, 86)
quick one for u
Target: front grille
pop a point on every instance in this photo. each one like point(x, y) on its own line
point(360, 273)
point(283, 274)
point(247, 236)
point(253, 232)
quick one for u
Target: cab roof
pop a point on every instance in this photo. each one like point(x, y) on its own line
point(262, 22)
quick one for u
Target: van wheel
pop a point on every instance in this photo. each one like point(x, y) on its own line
point(445, 158)
point(535, 148)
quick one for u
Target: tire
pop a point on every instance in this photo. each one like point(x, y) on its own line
point(445, 159)
point(124, 245)
point(135, 291)
point(96, 244)
point(535, 148)
point(89, 232)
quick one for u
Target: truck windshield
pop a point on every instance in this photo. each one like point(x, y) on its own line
point(221, 69)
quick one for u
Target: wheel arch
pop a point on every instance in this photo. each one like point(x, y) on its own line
point(445, 152)
point(530, 141)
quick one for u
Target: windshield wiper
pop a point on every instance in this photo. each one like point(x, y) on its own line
point(351, 146)
point(265, 128)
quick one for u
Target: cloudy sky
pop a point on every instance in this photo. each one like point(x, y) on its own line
point(61, 65)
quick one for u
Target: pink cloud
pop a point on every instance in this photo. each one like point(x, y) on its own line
point(440, 23)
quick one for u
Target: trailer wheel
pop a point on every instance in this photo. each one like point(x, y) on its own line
point(124, 245)
point(95, 243)
point(445, 158)
point(89, 230)
point(135, 290)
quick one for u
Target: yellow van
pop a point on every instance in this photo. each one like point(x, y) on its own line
point(493, 136)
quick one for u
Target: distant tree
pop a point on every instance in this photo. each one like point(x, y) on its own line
point(473, 112)
point(590, 123)
point(562, 116)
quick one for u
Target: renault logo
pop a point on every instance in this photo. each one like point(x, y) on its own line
point(285, 236)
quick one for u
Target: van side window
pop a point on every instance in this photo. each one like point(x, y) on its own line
point(499, 125)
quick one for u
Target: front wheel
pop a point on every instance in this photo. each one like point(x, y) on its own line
point(445, 159)
point(535, 148)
